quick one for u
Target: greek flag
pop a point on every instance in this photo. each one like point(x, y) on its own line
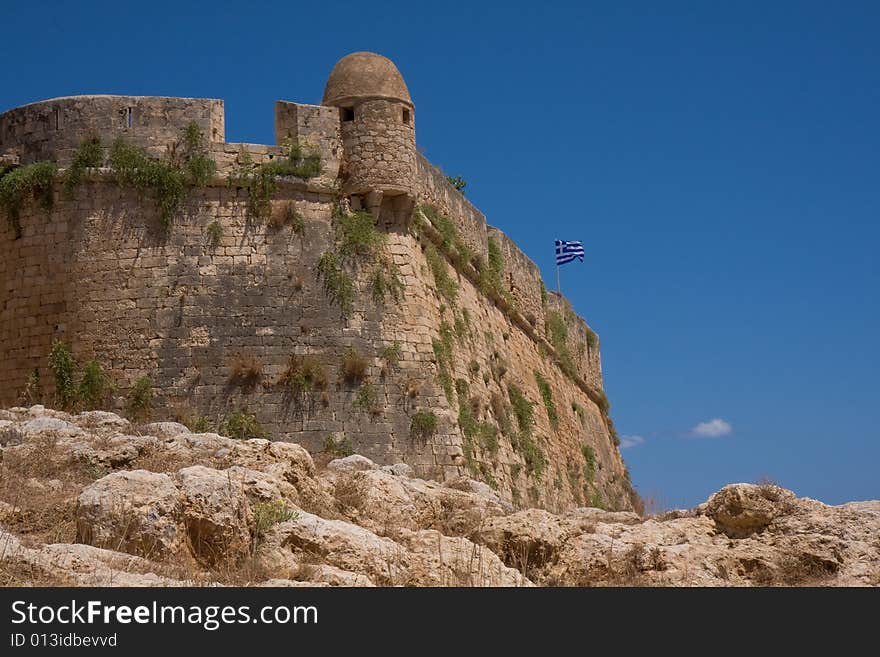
point(568, 251)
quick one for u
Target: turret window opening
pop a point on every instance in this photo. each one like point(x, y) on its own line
point(407, 117)
point(348, 113)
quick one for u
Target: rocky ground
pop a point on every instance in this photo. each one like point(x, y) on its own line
point(93, 500)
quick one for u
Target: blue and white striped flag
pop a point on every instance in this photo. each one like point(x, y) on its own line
point(568, 251)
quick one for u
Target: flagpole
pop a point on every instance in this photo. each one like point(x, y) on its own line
point(558, 280)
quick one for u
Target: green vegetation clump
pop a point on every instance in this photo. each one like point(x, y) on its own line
point(354, 366)
point(242, 425)
point(214, 232)
point(366, 398)
point(592, 339)
point(523, 441)
point(140, 398)
point(188, 165)
point(589, 462)
point(297, 159)
point(261, 181)
point(269, 514)
point(547, 396)
point(444, 283)
point(304, 374)
point(357, 234)
point(392, 353)
point(532, 454)
point(523, 409)
point(63, 367)
point(557, 331)
point(452, 244)
point(95, 385)
point(20, 185)
point(198, 424)
point(338, 447)
point(443, 351)
point(89, 155)
point(488, 437)
point(385, 282)
point(338, 283)
point(423, 425)
point(85, 390)
point(458, 182)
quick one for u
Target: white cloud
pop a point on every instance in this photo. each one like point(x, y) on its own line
point(631, 441)
point(712, 429)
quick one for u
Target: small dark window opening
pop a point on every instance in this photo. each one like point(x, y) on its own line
point(406, 116)
point(348, 113)
point(57, 121)
point(130, 117)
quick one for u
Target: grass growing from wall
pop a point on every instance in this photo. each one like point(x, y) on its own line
point(443, 354)
point(423, 425)
point(547, 397)
point(304, 374)
point(357, 235)
point(367, 399)
point(338, 283)
point(214, 233)
point(524, 442)
point(385, 284)
point(19, 186)
point(89, 155)
point(392, 353)
point(358, 241)
point(557, 331)
point(168, 181)
point(354, 366)
point(443, 282)
point(589, 455)
point(261, 181)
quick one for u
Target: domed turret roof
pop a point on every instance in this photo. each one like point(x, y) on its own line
point(364, 75)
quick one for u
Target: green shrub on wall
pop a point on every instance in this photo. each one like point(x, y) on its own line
point(423, 425)
point(547, 397)
point(20, 185)
point(187, 165)
point(89, 155)
point(338, 283)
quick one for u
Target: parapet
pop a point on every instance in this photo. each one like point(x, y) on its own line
point(54, 129)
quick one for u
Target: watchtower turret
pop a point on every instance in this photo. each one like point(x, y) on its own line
point(378, 134)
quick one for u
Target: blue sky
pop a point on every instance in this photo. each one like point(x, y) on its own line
point(719, 162)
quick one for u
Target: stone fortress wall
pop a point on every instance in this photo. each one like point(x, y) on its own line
point(97, 272)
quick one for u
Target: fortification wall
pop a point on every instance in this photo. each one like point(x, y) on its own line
point(98, 272)
point(582, 343)
point(54, 129)
point(521, 278)
point(433, 188)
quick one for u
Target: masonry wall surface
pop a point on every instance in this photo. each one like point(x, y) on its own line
point(53, 129)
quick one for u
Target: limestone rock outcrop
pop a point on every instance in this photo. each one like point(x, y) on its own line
point(92, 499)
